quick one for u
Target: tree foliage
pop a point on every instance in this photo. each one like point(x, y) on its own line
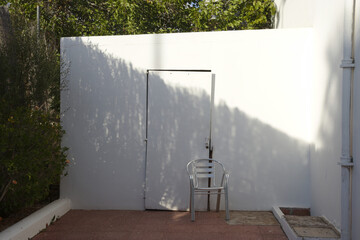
point(30, 69)
point(64, 18)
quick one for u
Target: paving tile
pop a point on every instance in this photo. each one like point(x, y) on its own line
point(209, 228)
point(274, 237)
point(181, 228)
point(111, 235)
point(193, 236)
point(180, 220)
point(154, 218)
point(178, 235)
point(270, 230)
point(146, 236)
point(219, 221)
point(242, 236)
point(65, 236)
point(243, 229)
point(150, 227)
point(47, 235)
point(180, 214)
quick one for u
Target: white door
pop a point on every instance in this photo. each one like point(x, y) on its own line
point(179, 109)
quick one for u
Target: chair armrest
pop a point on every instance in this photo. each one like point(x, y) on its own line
point(191, 177)
point(226, 178)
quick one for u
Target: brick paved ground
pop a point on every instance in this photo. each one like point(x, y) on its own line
point(147, 225)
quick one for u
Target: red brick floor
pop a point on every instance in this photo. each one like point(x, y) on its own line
point(148, 225)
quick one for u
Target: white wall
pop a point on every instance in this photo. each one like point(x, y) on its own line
point(262, 113)
point(326, 173)
point(327, 21)
point(294, 13)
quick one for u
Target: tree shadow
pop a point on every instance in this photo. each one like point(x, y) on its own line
point(104, 125)
point(105, 129)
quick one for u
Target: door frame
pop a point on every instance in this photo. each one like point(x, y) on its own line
point(209, 145)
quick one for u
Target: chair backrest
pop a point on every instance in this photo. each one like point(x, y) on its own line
point(204, 169)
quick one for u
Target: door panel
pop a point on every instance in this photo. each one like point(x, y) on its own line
point(179, 106)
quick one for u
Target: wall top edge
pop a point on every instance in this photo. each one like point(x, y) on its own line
point(176, 35)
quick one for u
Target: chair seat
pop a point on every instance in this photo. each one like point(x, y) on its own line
point(208, 188)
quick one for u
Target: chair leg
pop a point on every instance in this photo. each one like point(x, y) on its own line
point(218, 200)
point(227, 216)
point(190, 198)
point(192, 207)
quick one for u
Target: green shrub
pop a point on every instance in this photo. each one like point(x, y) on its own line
point(31, 155)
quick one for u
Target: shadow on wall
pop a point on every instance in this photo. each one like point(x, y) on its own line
point(105, 130)
point(178, 126)
point(104, 123)
point(267, 167)
point(280, 4)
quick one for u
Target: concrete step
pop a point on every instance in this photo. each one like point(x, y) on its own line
point(303, 227)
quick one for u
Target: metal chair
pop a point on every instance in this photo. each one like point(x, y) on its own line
point(217, 182)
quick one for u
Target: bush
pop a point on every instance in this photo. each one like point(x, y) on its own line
point(31, 155)
point(31, 158)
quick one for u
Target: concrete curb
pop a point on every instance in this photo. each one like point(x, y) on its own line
point(39, 220)
point(284, 224)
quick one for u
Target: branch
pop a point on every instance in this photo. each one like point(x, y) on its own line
point(5, 190)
